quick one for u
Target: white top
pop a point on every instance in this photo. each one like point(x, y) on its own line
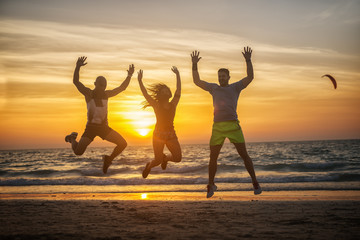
point(225, 100)
point(97, 110)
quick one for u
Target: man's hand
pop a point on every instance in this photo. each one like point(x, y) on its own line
point(247, 53)
point(81, 61)
point(140, 75)
point(124, 84)
point(175, 70)
point(195, 57)
point(131, 70)
point(249, 67)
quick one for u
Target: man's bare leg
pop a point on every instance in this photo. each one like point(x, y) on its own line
point(121, 144)
point(214, 154)
point(80, 147)
point(241, 149)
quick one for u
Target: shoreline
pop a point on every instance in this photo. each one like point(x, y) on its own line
point(321, 195)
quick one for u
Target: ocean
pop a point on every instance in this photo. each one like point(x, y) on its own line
point(305, 165)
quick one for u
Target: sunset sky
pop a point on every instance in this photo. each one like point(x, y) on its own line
point(294, 43)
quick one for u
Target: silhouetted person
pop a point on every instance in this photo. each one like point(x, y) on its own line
point(164, 133)
point(97, 109)
point(226, 123)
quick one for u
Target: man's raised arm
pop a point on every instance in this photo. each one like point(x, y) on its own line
point(82, 89)
point(249, 67)
point(196, 77)
point(124, 85)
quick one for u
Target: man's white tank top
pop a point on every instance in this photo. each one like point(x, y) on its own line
point(97, 109)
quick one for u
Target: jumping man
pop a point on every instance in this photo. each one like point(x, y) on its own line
point(226, 123)
point(97, 109)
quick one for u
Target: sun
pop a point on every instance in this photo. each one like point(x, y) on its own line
point(141, 122)
point(143, 196)
point(143, 131)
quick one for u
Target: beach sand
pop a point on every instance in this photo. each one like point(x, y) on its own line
point(228, 215)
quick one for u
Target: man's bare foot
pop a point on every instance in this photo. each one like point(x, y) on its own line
point(164, 163)
point(257, 188)
point(71, 137)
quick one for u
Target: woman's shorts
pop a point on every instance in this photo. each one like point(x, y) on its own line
point(164, 136)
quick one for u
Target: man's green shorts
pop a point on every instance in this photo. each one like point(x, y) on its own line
point(227, 129)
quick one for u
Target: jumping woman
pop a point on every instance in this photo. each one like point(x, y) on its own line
point(164, 132)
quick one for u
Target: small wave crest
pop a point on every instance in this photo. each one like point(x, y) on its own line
point(338, 177)
point(302, 167)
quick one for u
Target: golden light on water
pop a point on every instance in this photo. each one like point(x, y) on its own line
point(143, 196)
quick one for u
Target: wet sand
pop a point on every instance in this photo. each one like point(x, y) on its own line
point(228, 215)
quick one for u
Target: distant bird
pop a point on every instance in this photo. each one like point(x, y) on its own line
point(331, 78)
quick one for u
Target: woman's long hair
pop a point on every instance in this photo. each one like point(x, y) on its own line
point(154, 92)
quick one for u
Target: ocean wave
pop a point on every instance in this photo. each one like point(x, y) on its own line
point(302, 167)
point(338, 177)
point(180, 169)
point(285, 162)
point(81, 172)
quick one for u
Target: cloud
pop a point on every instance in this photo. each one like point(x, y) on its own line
point(338, 13)
point(40, 56)
point(26, 90)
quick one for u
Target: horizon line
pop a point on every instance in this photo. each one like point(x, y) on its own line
point(185, 144)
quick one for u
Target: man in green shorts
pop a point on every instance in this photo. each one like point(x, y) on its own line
point(226, 123)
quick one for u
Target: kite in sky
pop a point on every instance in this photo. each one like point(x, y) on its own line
point(332, 79)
